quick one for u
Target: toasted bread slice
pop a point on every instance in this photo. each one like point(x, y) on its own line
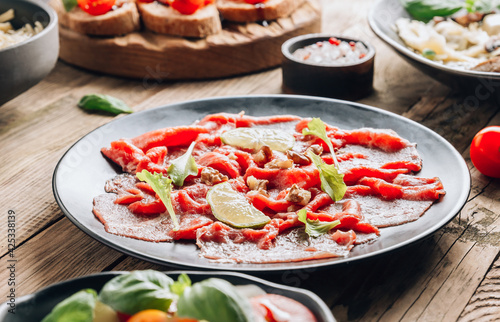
point(166, 20)
point(122, 20)
point(240, 11)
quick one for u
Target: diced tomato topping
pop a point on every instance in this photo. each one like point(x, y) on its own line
point(96, 7)
point(334, 41)
point(187, 7)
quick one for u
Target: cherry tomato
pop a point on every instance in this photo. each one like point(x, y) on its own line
point(149, 316)
point(152, 315)
point(96, 7)
point(485, 151)
point(274, 307)
point(187, 7)
point(122, 316)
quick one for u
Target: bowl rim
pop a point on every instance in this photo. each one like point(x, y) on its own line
point(419, 58)
point(285, 49)
point(53, 23)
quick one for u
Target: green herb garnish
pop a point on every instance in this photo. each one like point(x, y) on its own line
point(69, 4)
point(180, 285)
point(318, 128)
point(332, 182)
point(79, 307)
point(427, 9)
point(429, 54)
point(183, 167)
point(214, 299)
point(316, 228)
point(104, 103)
point(137, 291)
point(163, 187)
point(482, 6)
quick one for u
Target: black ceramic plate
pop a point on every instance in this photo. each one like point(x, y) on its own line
point(83, 171)
point(382, 18)
point(36, 306)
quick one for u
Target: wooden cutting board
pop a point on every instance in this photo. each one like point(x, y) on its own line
point(238, 49)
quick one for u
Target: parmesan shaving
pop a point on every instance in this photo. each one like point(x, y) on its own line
point(452, 44)
point(7, 15)
point(9, 36)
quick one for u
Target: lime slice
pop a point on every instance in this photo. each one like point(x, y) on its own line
point(254, 138)
point(233, 208)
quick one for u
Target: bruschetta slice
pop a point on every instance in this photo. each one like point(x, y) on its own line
point(122, 19)
point(256, 10)
point(164, 19)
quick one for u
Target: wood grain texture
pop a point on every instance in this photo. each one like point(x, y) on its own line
point(240, 48)
point(453, 275)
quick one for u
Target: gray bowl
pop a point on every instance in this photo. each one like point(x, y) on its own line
point(25, 64)
point(382, 18)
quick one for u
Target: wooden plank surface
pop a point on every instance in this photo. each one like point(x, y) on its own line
point(453, 275)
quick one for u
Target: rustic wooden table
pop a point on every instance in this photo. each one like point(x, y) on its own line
point(453, 275)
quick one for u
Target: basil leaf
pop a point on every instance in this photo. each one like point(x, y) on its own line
point(163, 187)
point(318, 128)
point(137, 291)
point(183, 281)
point(79, 307)
point(427, 9)
point(104, 103)
point(183, 167)
point(214, 300)
point(332, 182)
point(316, 228)
point(69, 4)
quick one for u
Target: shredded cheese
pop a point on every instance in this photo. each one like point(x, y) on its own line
point(9, 36)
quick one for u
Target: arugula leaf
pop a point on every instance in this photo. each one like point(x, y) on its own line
point(182, 167)
point(163, 187)
point(69, 4)
point(79, 307)
point(316, 228)
point(137, 291)
point(214, 299)
point(427, 9)
point(104, 103)
point(183, 281)
point(318, 128)
point(332, 182)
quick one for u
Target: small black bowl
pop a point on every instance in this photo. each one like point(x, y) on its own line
point(25, 64)
point(347, 81)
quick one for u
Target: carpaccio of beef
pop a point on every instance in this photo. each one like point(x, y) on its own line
point(377, 164)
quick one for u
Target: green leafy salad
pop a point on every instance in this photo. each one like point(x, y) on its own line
point(155, 297)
